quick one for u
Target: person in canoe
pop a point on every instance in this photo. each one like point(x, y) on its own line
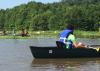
point(68, 38)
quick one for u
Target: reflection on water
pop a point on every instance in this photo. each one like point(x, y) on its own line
point(78, 64)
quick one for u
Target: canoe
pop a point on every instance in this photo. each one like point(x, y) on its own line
point(60, 51)
point(55, 52)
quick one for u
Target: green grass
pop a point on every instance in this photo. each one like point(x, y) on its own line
point(55, 34)
point(87, 34)
point(79, 34)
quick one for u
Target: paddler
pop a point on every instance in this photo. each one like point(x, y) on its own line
point(68, 38)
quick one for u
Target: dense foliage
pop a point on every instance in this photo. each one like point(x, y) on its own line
point(84, 14)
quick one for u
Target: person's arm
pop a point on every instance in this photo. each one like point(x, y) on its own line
point(74, 41)
point(75, 44)
point(79, 45)
point(72, 38)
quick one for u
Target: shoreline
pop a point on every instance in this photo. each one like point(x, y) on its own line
point(55, 34)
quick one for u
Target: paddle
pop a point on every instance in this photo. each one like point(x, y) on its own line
point(96, 47)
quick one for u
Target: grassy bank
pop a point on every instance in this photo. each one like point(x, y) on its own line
point(55, 34)
point(87, 34)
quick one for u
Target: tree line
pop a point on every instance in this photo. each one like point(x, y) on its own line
point(84, 14)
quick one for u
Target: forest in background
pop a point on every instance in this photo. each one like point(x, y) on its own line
point(36, 16)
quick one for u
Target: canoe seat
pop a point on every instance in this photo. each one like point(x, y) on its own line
point(60, 44)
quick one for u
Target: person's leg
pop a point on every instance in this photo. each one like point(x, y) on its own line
point(81, 45)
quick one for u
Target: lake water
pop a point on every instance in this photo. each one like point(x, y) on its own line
point(15, 55)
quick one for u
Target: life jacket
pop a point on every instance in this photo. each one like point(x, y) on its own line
point(64, 35)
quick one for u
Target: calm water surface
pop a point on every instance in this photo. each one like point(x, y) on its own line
point(15, 55)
